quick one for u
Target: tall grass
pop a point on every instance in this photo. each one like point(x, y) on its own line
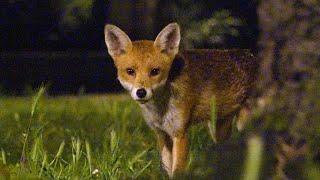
point(112, 159)
point(33, 109)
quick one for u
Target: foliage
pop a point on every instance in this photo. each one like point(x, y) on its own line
point(208, 31)
point(289, 73)
point(75, 12)
point(211, 31)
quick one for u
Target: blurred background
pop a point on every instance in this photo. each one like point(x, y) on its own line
point(61, 44)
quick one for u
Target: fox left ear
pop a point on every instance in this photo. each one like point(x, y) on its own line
point(168, 39)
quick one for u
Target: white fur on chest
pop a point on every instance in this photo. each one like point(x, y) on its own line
point(165, 117)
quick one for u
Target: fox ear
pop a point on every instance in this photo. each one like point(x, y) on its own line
point(168, 39)
point(117, 41)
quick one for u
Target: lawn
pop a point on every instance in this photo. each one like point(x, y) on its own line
point(105, 137)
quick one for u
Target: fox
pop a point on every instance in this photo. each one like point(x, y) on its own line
point(175, 89)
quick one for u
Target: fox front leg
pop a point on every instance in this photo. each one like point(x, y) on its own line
point(179, 154)
point(165, 149)
point(174, 153)
point(175, 125)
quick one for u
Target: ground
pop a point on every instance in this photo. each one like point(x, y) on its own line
point(103, 137)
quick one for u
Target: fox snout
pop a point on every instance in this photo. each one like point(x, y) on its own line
point(138, 93)
point(141, 94)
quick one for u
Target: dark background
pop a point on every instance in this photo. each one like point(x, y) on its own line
point(61, 43)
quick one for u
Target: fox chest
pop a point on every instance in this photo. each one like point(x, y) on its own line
point(163, 117)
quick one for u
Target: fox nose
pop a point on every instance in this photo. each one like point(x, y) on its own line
point(141, 93)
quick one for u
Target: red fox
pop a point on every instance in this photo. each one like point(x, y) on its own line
point(174, 89)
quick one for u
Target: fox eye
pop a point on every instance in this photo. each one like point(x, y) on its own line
point(154, 71)
point(130, 71)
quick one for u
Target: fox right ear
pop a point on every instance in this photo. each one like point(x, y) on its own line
point(117, 41)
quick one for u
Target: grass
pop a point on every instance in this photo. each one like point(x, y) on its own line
point(82, 137)
point(105, 137)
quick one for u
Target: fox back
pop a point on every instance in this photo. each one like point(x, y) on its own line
point(226, 75)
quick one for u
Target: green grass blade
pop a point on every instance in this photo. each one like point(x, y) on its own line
point(35, 150)
point(78, 150)
point(138, 156)
point(3, 157)
point(36, 99)
point(142, 170)
point(44, 162)
point(88, 150)
point(61, 148)
point(213, 121)
point(254, 158)
point(135, 159)
point(113, 141)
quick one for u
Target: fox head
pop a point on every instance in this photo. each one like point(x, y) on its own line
point(143, 66)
